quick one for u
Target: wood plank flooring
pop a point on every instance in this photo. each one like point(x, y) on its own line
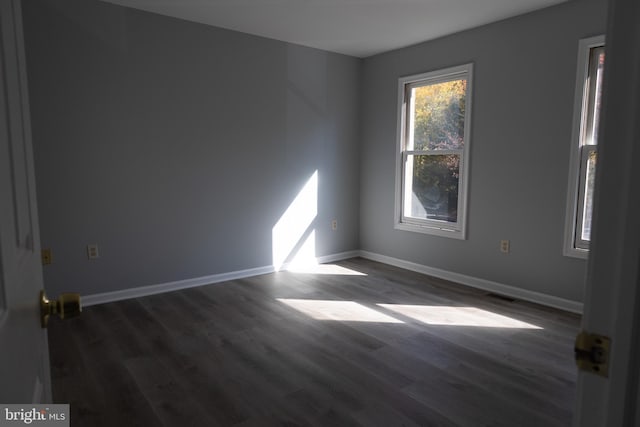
point(240, 353)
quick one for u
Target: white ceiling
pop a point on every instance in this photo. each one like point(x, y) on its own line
point(354, 27)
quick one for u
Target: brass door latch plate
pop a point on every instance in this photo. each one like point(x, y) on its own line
point(592, 353)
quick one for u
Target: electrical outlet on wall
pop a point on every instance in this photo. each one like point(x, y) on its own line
point(334, 224)
point(505, 246)
point(92, 251)
point(47, 257)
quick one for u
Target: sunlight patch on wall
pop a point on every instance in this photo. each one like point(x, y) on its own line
point(338, 310)
point(304, 256)
point(457, 316)
point(292, 226)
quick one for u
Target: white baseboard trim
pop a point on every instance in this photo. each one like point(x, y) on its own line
point(487, 285)
point(142, 291)
point(474, 282)
point(337, 257)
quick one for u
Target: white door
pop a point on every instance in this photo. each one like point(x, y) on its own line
point(612, 298)
point(24, 355)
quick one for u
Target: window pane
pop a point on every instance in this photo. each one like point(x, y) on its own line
point(589, 139)
point(432, 186)
point(438, 116)
point(597, 69)
point(588, 197)
point(430, 181)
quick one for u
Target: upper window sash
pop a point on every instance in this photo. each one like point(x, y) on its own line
point(592, 95)
point(427, 79)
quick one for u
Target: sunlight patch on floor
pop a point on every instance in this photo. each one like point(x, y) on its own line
point(457, 316)
point(323, 269)
point(338, 310)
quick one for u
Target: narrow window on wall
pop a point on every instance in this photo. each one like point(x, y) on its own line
point(433, 151)
point(584, 150)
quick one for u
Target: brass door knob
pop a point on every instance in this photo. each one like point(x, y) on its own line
point(67, 305)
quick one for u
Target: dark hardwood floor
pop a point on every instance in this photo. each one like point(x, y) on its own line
point(245, 353)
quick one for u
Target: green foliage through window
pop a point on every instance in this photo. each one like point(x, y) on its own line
point(439, 115)
point(435, 185)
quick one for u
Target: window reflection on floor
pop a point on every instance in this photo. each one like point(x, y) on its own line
point(324, 269)
point(457, 316)
point(351, 311)
point(338, 310)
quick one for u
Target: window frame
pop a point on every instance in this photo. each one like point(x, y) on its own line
point(574, 246)
point(457, 230)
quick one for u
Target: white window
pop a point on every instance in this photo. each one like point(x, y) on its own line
point(584, 146)
point(433, 151)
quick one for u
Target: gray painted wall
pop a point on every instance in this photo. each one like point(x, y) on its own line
point(524, 80)
point(176, 147)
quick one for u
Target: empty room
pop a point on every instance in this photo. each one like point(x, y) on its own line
point(312, 213)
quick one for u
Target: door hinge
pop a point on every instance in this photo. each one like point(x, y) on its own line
point(592, 353)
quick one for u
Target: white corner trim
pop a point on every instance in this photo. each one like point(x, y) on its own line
point(474, 282)
point(38, 391)
point(142, 291)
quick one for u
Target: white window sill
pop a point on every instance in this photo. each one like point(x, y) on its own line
point(576, 253)
point(433, 230)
